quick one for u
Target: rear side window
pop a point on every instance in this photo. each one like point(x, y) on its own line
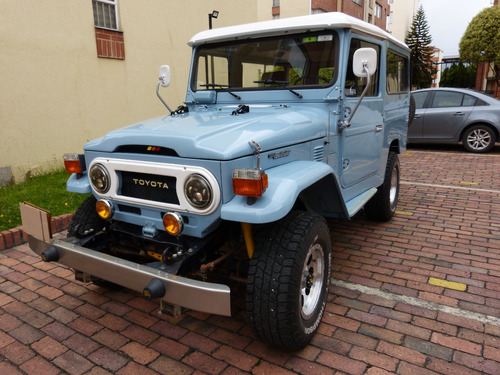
point(469, 101)
point(397, 73)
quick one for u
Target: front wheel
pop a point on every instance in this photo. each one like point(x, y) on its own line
point(86, 221)
point(288, 280)
point(479, 138)
point(382, 206)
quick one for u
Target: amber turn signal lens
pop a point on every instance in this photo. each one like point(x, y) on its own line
point(249, 182)
point(72, 163)
point(104, 209)
point(173, 223)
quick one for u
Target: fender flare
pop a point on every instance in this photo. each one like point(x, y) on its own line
point(286, 183)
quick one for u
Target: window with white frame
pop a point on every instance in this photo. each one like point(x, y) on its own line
point(357, 2)
point(105, 14)
point(378, 10)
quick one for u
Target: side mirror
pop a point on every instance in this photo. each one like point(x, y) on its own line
point(164, 75)
point(365, 59)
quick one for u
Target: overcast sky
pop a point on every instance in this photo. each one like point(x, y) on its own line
point(448, 20)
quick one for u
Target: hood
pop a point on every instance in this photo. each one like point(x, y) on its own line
point(216, 134)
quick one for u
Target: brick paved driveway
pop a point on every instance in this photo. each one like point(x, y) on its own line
point(418, 295)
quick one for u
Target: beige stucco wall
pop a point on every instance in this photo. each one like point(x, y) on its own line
point(56, 94)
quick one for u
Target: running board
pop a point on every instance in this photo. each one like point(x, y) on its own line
point(357, 203)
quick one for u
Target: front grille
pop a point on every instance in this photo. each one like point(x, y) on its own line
point(149, 187)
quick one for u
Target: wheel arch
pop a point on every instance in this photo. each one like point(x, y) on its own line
point(491, 126)
point(305, 184)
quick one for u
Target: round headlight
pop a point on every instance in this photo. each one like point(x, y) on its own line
point(99, 178)
point(198, 191)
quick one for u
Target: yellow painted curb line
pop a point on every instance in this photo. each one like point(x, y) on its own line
point(447, 284)
point(404, 213)
point(468, 183)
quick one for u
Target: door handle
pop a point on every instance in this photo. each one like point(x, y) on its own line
point(378, 128)
point(458, 114)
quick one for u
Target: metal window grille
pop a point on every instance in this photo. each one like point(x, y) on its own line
point(105, 14)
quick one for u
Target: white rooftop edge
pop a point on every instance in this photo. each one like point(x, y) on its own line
point(313, 22)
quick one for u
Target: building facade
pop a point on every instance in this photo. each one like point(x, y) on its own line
point(65, 83)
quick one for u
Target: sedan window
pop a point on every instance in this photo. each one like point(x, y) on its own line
point(469, 101)
point(444, 99)
point(419, 99)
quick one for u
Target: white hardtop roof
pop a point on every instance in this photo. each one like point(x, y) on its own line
point(333, 20)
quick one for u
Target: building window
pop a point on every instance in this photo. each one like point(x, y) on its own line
point(391, 1)
point(357, 2)
point(389, 19)
point(378, 10)
point(109, 39)
point(276, 3)
point(105, 14)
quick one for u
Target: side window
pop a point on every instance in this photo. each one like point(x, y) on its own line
point(469, 101)
point(397, 73)
point(354, 85)
point(420, 99)
point(443, 99)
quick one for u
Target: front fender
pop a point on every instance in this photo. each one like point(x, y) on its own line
point(286, 182)
point(78, 183)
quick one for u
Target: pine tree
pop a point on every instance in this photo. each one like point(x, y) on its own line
point(419, 40)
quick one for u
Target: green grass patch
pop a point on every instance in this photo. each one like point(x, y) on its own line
point(47, 191)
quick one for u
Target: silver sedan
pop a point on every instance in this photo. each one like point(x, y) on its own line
point(450, 115)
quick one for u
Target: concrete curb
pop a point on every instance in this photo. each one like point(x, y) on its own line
point(17, 236)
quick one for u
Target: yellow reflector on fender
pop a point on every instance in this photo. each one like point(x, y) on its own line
point(249, 182)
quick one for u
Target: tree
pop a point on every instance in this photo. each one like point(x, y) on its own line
point(481, 40)
point(419, 40)
point(459, 75)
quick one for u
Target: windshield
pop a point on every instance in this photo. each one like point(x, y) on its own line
point(305, 60)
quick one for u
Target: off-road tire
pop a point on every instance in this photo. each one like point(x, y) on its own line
point(86, 221)
point(288, 280)
point(479, 138)
point(382, 206)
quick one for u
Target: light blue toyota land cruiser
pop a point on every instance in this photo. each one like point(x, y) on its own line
point(285, 122)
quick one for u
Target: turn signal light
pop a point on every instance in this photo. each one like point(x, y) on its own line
point(73, 163)
point(249, 182)
point(173, 223)
point(104, 209)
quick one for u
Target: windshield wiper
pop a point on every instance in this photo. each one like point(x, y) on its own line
point(223, 88)
point(282, 83)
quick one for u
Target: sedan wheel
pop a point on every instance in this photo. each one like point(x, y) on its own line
point(479, 138)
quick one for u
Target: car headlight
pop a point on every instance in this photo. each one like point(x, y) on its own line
point(99, 178)
point(198, 191)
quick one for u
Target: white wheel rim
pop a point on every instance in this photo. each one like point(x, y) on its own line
point(312, 280)
point(479, 139)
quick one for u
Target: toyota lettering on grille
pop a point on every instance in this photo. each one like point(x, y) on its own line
point(151, 183)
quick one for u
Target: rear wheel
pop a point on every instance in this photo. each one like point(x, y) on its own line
point(288, 280)
point(383, 204)
point(479, 138)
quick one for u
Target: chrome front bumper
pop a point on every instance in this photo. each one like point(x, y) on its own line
point(192, 294)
